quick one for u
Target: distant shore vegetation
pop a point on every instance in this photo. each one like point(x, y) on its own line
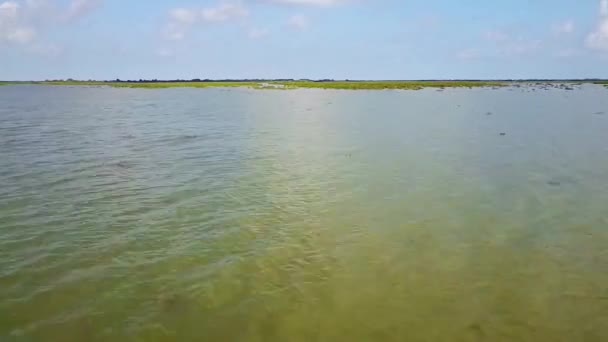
point(320, 84)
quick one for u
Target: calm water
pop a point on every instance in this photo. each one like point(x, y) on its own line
point(305, 215)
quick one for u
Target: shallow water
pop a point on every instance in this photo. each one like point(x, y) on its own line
point(304, 215)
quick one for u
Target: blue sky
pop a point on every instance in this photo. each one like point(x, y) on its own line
point(341, 39)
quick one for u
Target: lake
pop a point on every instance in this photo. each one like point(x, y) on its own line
point(303, 215)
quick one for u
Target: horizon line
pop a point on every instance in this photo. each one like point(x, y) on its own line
point(308, 79)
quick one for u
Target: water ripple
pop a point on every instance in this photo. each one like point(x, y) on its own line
point(271, 216)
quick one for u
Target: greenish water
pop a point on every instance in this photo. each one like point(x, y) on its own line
point(304, 215)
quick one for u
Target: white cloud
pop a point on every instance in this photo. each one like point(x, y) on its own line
point(258, 33)
point(80, 8)
point(183, 16)
point(598, 39)
point(298, 22)
point(565, 27)
point(314, 3)
point(174, 32)
point(8, 10)
point(224, 12)
point(36, 4)
point(13, 29)
point(23, 22)
point(21, 35)
point(181, 20)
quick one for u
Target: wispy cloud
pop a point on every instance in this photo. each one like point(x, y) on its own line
point(224, 12)
point(500, 44)
point(13, 26)
point(521, 46)
point(183, 16)
point(181, 20)
point(598, 39)
point(46, 49)
point(25, 22)
point(298, 22)
point(506, 44)
point(313, 3)
point(9, 10)
point(21, 35)
point(258, 33)
point(80, 8)
point(564, 28)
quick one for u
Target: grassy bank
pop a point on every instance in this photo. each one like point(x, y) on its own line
point(152, 85)
point(380, 85)
point(8, 83)
point(349, 85)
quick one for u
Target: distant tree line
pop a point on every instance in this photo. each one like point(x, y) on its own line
point(198, 80)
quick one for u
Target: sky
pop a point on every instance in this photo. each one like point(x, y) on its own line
point(338, 39)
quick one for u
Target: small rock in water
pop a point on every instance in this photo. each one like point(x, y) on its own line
point(554, 183)
point(489, 113)
point(503, 134)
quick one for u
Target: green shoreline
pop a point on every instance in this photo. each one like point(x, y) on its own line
point(286, 85)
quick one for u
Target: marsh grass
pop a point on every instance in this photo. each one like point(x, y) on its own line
point(406, 85)
point(152, 85)
point(348, 85)
point(287, 85)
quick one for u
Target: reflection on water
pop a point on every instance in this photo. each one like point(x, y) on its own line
point(305, 215)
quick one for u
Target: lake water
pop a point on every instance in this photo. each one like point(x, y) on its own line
point(303, 215)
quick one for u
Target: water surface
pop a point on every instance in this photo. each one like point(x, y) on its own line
point(304, 215)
